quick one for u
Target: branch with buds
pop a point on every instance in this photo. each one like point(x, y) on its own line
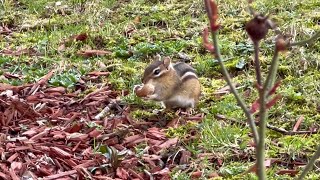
point(257, 29)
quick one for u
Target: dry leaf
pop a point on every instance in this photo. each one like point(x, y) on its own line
point(98, 73)
point(61, 90)
point(91, 53)
point(290, 172)
point(253, 168)
point(296, 126)
point(196, 175)
point(15, 76)
point(81, 37)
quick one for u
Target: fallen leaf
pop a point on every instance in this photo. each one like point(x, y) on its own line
point(19, 52)
point(98, 73)
point(81, 37)
point(253, 168)
point(91, 53)
point(61, 90)
point(196, 175)
point(290, 172)
point(15, 76)
point(296, 126)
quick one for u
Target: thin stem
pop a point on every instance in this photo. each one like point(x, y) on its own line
point(261, 169)
point(263, 113)
point(272, 71)
point(262, 134)
point(257, 62)
point(310, 164)
point(307, 41)
point(228, 78)
point(233, 89)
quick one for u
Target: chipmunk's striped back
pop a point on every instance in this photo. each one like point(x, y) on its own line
point(184, 71)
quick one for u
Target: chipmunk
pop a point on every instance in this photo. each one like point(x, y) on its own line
point(175, 85)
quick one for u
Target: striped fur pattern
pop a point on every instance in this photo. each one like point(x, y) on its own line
point(176, 85)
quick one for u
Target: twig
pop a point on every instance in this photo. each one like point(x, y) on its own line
point(104, 112)
point(228, 78)
point(257, 62)
point(310, 164)
point(274, 128)
point(56, 176)
point(263, 114)
point(307, 41)
point(272, 71)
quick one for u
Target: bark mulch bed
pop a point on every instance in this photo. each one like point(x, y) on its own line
point(50, 133)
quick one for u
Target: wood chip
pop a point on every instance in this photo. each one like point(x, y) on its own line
point(61, 174)
point(60, 153)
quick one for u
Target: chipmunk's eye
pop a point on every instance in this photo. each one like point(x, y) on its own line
point(156, 72)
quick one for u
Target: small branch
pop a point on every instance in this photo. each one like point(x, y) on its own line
point(226, 74)
point(261, 169)
point(272, 71)
point(310, 164)
point(257, 62)
point(307, 41)
point(274, 128)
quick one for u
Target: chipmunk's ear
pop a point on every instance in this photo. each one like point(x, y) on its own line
point(157, 57)
point(166, 62)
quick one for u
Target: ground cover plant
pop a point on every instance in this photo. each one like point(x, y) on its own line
point(68, 111)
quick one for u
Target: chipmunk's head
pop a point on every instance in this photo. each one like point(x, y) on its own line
point(157, 69)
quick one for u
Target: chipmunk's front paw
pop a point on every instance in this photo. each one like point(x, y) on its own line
point(143, 91)
point(137, 87)
point(151, 97)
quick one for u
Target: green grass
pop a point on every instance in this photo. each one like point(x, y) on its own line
point(169, 27)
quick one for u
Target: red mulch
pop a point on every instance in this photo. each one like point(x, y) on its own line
point(50, 133)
